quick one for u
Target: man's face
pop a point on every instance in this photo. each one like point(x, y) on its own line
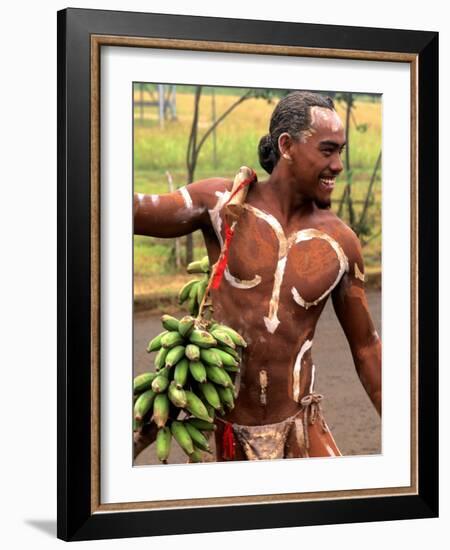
point(316, 157)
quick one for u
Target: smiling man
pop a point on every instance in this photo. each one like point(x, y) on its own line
point(288, 255)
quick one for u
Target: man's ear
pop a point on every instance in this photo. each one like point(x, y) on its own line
point(284, 146)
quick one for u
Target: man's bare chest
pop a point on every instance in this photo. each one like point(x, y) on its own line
point(302, 264)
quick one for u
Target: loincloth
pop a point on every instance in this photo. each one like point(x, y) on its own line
point(269, 441)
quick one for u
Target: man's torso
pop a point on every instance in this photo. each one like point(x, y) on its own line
point(277, 281)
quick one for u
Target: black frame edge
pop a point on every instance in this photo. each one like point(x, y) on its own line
point(61, 279)
point(428, 318)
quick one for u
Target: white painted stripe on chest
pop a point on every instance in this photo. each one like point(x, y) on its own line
point(306, 235)
point(216, 221)
point(284, 244)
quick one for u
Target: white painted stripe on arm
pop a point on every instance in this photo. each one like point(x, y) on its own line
point(186, 197)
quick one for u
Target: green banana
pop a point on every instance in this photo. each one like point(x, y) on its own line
point(163, 441)
point(195, 406)
point(174, 355)
point(172, 339)
point(198, 371)
point(143, 404)
point(161, 409)
point(193, 302)
point(181, 372)
point(204, 264)
point(202, 424)
point(226, 396)
point(199, 266)
point(143, 381)
point(210, 357)
point(219, 376)
point(182, 436)
point(201, 288)
point(210, 393)
point(192, 352)
point(195, 456)
point(176, 395)
point(225, 357)
point(194, 267)
point(223, 338)
point(186, 325)
point(184, 292)
point(155, 343)
point(197, 437)
point(137, 424)
point(160, 383)
point(202, 339)
point(234, 353)
point(169, 322)
point(211, 410)
point(160, 359)
point(235, 336)
point(231, 369)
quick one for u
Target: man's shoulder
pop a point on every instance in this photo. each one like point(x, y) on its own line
point(342, 233)
point(207, 191)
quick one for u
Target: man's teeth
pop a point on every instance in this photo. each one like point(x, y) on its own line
point(328, 181)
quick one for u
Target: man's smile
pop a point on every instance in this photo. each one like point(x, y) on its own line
point(327, 183)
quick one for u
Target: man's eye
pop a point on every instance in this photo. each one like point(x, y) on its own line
point(327, 152)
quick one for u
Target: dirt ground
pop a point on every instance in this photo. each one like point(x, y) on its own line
point(347, 409)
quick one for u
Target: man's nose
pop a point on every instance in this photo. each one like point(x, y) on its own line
point(336, 164)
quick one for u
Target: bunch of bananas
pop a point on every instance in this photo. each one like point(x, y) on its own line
point(194, 290)
point(195, 366)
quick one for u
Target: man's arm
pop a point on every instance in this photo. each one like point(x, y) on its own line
point(178, 213)
point(350, 305)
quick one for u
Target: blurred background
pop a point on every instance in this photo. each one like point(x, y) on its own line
point(186, 133)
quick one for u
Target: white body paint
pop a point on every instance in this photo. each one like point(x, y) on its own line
point(313, 375)
point(214, 214)
point(298, 369)
point(307, 234)
point(216, 220)
point(154, 199)
point(284, 245)
point(186, 197)
point(326, 115)
point(140, 196)
point(272, 320)
point(358, 274)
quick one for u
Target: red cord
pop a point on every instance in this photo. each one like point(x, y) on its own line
point(229, 233)
point(228, 451)
point(218, 274)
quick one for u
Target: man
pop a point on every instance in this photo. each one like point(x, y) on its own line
point(288, 254)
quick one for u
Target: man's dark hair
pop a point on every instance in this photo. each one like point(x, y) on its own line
point(291, 115)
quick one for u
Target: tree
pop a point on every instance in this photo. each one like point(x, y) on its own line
point(358, 224)
point(194, 148)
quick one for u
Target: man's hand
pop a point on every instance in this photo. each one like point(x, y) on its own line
point(143, 438)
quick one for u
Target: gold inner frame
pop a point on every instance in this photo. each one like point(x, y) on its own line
point(97, 41)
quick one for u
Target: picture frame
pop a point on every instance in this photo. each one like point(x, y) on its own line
point(81, 36)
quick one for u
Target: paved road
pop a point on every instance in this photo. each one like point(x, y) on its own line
point(349, 413)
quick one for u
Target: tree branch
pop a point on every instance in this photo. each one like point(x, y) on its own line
point(247, 95)
point(369, 191)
